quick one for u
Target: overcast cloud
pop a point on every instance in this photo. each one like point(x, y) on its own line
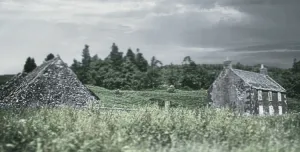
point(246, 31)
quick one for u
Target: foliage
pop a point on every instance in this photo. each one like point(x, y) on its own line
point(148, 129)
point(171, 89)
point(141, 62)
point(49, 57)
point(30, 65)
point(5, 78)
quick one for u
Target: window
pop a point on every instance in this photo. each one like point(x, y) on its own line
point(270, 95)
point(271, 110)
point(280, 110)
point(279, 96)
point(261, 110)
point(259, 95)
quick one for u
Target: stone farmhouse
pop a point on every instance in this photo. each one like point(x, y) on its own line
point(247, 92)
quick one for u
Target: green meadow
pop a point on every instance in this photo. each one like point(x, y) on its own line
point(188, 126)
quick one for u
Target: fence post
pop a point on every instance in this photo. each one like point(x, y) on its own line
point(167, 105)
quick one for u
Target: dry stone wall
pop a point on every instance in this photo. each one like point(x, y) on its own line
point(53, 84)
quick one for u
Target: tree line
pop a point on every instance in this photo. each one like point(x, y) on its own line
point(131, 71)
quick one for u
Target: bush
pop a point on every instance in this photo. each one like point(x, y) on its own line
point(171, 89)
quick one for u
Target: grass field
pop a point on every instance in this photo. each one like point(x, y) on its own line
point(142, 98)
point(147, 129)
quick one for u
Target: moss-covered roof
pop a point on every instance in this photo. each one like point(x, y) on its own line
point(259, 81)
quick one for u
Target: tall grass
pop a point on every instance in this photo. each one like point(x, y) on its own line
point(148, 129)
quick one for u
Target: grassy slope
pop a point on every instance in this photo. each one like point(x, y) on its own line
point(142, 98)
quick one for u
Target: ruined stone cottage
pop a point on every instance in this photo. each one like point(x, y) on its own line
point(247, 92)
point(53, 84)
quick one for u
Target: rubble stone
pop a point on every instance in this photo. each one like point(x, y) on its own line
point(53, 84)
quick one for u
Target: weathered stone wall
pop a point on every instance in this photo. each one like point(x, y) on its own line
point(229, 90)
point(266, 103)
point(11, 85)
point(217, 92)
point(53, 83)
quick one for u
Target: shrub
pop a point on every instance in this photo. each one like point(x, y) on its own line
point(171, 89)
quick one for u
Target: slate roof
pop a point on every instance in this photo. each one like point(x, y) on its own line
point(259, 81)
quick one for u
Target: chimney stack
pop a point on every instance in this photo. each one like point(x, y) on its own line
point(227, 64)
point(263, 70)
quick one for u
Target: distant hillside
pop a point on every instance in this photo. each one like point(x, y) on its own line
point(5, 78)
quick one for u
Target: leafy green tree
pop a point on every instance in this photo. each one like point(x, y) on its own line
point(141, 62)
point(30, 65)
point(115, 57)
point(153, 72)
point(130, 56)
point(49, 57)
point(95, 58)
point(76, 66)
point(190, 76)
point(86, 57)
point(83, 69)
point(296, 66)
point(173, 77)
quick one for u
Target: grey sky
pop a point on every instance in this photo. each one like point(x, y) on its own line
point(247, 31)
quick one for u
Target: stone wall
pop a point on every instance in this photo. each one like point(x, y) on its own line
point(266, 103)
point(53, 84)
point(229, 90)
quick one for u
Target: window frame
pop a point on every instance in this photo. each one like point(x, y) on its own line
point(259, 95)
point(279, 96)
point(271, 110)
point(270, 96)
point(280, 110)
point(261, 110)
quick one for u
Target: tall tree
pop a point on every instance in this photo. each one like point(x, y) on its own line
point(85, 71)
point(155, 63)
point(76, 66)
point(190, 76)
point(86, 57)
point(172, 77)
point(153, 72)
point(49, 57)
point(296, 66)
point(141, 62)
point(30, 65)
point(130, 56)
point(115, 57)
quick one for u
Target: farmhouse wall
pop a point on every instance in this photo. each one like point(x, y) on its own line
point(266, 103)
point(231, 91)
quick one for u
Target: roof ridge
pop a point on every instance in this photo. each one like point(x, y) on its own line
point(258, 80)
point(250, 71)
point(271, 79)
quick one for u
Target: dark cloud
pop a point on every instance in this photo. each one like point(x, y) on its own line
point(269, 47)
point(249, 31)
point(264, 22)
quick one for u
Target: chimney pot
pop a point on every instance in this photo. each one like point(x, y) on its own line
point(227, 64)
point(263, 70)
